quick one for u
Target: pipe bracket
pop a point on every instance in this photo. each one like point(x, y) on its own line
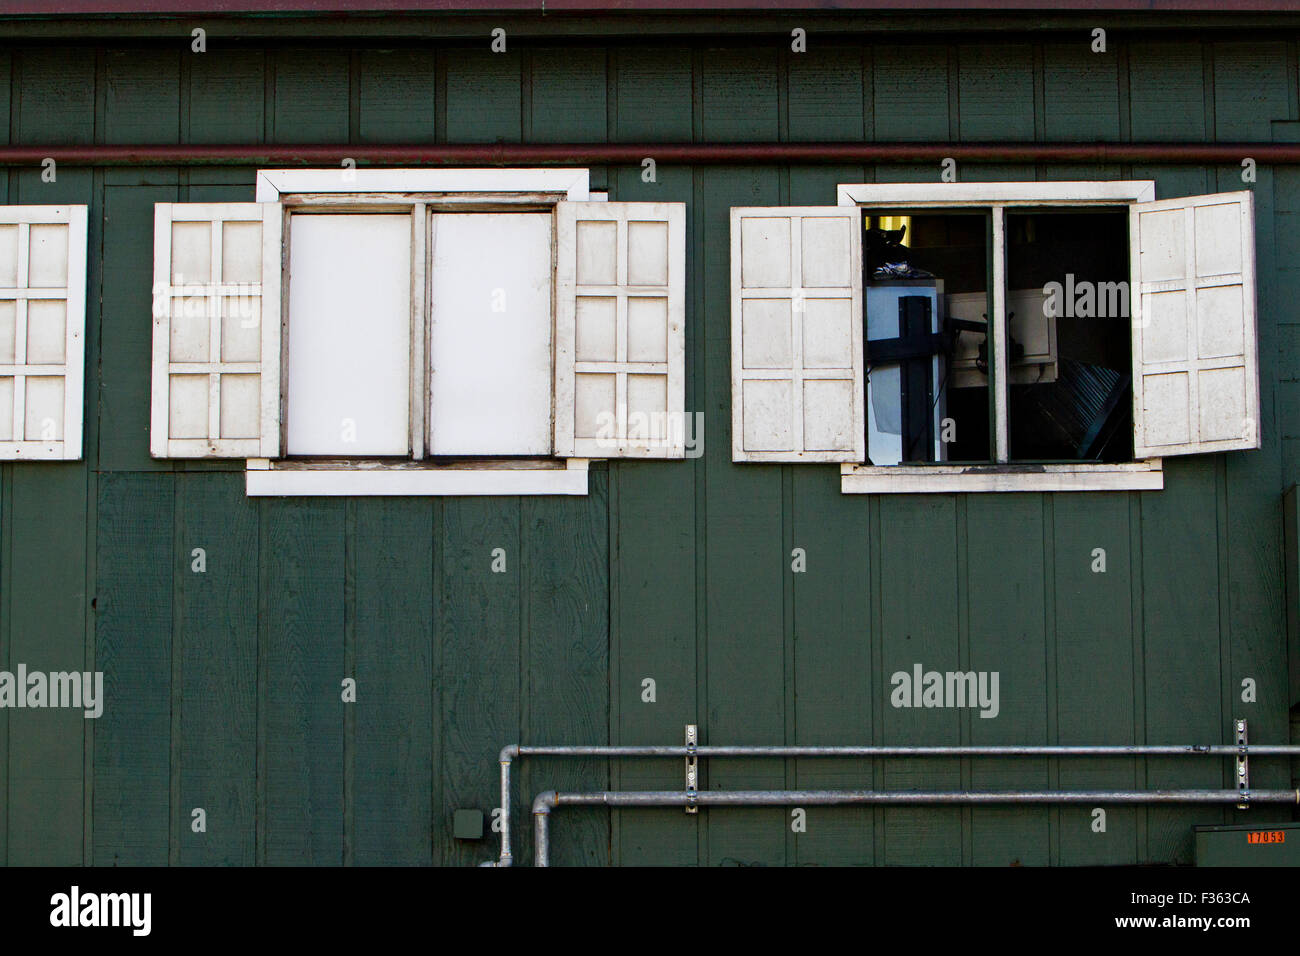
point(692, 767)
point(1243, 763)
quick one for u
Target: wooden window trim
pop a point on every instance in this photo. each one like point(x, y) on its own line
point(265, 478)
point(273, 184)
point(418, 192)
point(1144, 475)
point(1002, 475)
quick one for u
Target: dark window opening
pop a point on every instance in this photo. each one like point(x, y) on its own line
point(1069, 346)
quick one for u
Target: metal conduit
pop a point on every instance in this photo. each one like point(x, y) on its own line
point(550, 800)
point(512, 751)
point(598, 154)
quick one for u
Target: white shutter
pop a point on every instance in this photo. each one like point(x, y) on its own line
point(216, 330)
point(620, 333)
point(796, 334)
point(42, 331)
point(1195, 346)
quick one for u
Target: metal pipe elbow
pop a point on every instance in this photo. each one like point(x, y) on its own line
point(545, 802)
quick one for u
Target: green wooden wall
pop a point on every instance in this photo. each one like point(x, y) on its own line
point(224, 687)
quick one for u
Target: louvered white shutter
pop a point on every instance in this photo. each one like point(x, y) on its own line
point(216, 330)
point(1195, 361)
point(42, 331)
point(620, 334)
point(796, 334)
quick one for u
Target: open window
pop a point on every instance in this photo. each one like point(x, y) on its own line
point(419, 332)
point(1002, 336)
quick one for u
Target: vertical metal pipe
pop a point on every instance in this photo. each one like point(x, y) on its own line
point(542, 844)
point(506, 859)
point(541, 833)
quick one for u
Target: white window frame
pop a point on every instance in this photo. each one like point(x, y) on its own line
point(356, 188)
point(275, 184)
point(1002, 474)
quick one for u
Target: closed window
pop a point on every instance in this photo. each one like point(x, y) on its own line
point(448, 325)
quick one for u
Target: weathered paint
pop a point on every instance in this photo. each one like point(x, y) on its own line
point(224, 687)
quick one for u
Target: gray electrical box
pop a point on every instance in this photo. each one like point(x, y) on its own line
point(468, 825)
point(1254, 844)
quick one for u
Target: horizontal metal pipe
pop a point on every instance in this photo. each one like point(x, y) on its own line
point(779, 798)
point(548, 801)
point(511, 751)
point(549, 154)
point(1014, 750)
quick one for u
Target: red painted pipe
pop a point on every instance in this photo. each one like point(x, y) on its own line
point(599, 154)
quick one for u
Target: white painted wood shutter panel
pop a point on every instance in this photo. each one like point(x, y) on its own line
point(797, 389)
point(620, 333)
point(42, 331)
point(216, 330)
point(1195, 344)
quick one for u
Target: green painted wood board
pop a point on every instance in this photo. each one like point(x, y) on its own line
point(215, 641)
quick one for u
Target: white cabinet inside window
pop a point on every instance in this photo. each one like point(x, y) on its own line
point(884, 389)
point(418, 331)
point(1009, 381)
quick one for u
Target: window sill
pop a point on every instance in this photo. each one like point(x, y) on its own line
point(265, 478)
point(920, 479)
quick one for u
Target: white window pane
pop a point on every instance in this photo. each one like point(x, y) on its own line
point(187, 397)
point(490, 336)
point(241, 406)
point(47, 266)
point(596, 328)
point(8, 257)
point(191, 252)
point(47, 331)
point(593, 397)
point(241, 251)
point(8, 328)
point(44, 408)
point(6, 408)
point(349, 335)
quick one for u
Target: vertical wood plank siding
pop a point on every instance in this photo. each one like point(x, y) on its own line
point(224, 687)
